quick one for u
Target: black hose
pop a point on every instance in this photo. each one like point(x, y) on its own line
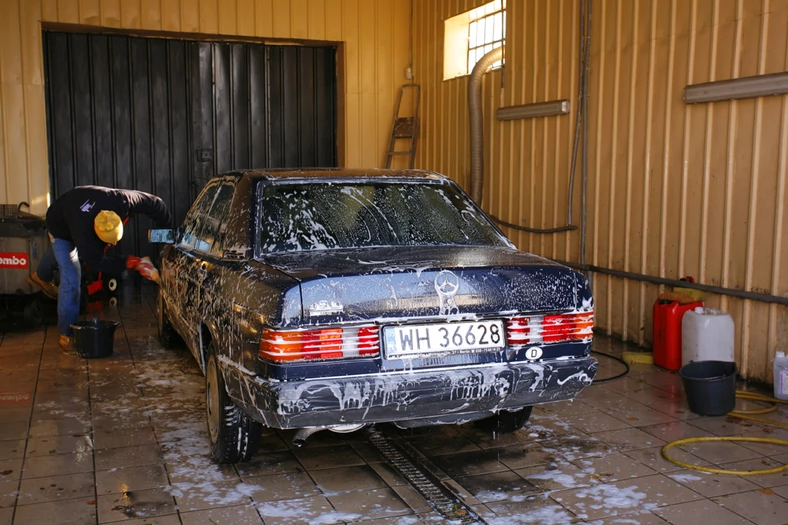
point(560, 229)
point(615, 358)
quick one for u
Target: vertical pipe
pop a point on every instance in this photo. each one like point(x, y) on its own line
point(709, 137)
point(584, 154)
point(477, 122)
point(686, 143)
point(611, 209)
point(666, 147)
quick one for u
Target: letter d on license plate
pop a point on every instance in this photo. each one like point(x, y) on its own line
point(438, 338)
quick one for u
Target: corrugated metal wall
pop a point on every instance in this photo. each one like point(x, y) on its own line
point(674, 190)
point(376, 52)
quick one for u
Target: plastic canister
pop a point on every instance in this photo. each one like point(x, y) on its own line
point(706, 335)
point(667, 332)
point(781, 376)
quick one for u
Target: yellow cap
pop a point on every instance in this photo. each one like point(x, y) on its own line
point(108, 226)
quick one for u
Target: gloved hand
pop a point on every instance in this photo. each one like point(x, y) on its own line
point(144, 266)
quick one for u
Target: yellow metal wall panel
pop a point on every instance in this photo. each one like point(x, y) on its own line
point(334, 20)
point(245, 17)
point(48, 9)
point(673, 189)
point(264, 19)
point(14, 134)
point(228, 17)
point(90, 12)
point(299, 21)
point(32, 60)
point(110, 13)
point(151, 13)
point(316, 12)
point(171, 15)
point(68, 11)
point(129, 13)
point(209, 16)
point(281, 19)
point(350, 31)
point(190, 16)
point(37, 155)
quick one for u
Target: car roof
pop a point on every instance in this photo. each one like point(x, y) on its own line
point(302, 174)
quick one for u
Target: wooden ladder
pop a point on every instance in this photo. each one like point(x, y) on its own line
point(405, 127)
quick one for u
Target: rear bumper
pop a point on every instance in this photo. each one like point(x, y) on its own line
point(450, 395)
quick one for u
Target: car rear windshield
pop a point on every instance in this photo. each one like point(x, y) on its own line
point(331, 215)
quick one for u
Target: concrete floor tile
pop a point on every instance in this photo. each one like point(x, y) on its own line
point(131, 479)
point(293, 485)
point(43, 466)
point(346, 479)
point(711, 485)
point(49, 445)
point(610, 499)
point(572, 448)
point(629, 439)
point(15, 414)
point(135, 504)
point(533, 510)
point(635, 518)
point(10, 469)
point(498, 486)
point(59, 427)
point(720, 452)
point(413, 499)
point(269, 464)
point(592, 421)
point(122, 457)
point(674, 430)
point(328, 457)
point(299, 511)
point(652, 458)
point(207, 495)
point(6, 515)
point(613, 467)
point(127, 437)
point(524, 455)
point(223, 516)
point(8, 492)
point(725, 425)
point(13, 430)
point(763, 506)
point(167, 519)
point(56, 488)
point(470, 463)
point(78, 511)
point(763, 480)
point(374, 503)
point(558, 475)
point(703, 511)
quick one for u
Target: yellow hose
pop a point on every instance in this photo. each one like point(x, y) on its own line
point(742, 414)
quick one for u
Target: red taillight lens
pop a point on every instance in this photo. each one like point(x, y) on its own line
point(368, 341)
point(538, 329)
point(326, 343)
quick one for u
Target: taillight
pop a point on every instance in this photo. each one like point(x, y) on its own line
point(557, 328)
point(325, 343)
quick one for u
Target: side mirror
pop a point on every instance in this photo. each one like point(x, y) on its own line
point(161, 236)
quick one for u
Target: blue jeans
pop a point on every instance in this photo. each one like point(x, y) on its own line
point(63, 254)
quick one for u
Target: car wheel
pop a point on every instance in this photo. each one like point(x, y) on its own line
point(167, 334)
point(504, 421)
point(234, 436)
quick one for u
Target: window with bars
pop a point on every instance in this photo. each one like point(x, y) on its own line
point(470, 35)
point(486, 31)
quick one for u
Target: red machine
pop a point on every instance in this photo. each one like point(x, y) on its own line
point(667, 331)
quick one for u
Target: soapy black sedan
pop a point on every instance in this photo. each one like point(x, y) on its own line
point(335, 299)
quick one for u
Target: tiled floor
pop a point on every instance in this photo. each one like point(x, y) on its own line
point(123, 439)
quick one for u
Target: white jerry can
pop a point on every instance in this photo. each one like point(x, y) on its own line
point(706, 335)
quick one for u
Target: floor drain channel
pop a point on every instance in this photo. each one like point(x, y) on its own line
point(436, 494)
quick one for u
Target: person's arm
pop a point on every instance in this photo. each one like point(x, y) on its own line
point(150, 205)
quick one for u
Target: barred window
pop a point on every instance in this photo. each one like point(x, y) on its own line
point(471, 35)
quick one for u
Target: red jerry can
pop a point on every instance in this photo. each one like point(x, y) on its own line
point(667, 332)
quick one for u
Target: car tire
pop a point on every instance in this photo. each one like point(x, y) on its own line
point(505, 422)
point(234, 436)
point(167, 334)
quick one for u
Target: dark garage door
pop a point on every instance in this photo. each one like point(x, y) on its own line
point(164, 115)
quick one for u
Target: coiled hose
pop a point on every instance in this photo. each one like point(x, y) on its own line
point(741, 414)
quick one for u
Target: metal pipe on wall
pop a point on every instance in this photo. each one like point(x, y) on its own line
point(476, 123)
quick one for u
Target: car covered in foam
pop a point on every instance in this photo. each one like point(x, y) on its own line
point(335, 299)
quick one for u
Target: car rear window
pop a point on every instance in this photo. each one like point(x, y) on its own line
point(330, 215)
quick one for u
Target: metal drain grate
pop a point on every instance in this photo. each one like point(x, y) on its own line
point(436, 494)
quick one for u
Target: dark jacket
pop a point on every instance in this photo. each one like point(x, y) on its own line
point(71, 218)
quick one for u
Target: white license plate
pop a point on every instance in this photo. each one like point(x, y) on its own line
point(410, 340)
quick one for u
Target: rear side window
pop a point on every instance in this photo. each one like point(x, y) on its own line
point(195, 218)
point(329, 215)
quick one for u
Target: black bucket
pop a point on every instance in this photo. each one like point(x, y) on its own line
point(710, 386)
point(94, 338)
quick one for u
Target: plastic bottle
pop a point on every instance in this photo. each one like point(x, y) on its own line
point(781, 376)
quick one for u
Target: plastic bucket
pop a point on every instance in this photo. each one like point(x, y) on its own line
point(710, 386)
point(94, 338)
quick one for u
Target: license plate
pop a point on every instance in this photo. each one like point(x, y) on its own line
point(411, 340)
